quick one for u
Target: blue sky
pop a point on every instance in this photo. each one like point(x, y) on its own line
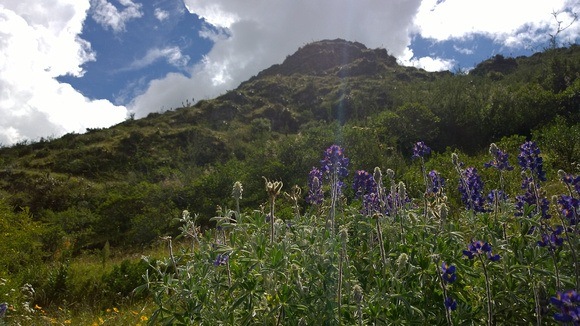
point(68, 65)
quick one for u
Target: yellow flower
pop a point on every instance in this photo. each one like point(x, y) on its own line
point(37, 307)
point(115, 309)
point(108, 309)
point(144, 318)
point(101, 320)
point(68, 321)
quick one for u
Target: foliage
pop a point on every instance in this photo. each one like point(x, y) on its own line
point(383, 265)
point(124, 185)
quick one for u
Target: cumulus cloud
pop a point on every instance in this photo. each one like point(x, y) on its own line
point(108, 16)
point(512, 23)
point(161, 14)
point(249, 37)
point(426, 63)
point(38, 44)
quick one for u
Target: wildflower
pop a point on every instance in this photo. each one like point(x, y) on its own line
point(221, 259)
point(471, 188)
point(315, 194)
point(569, 207)
point(3, 308)
point(496, 195)
point(334, 161)
point(570, 180)
point(364, 183)
point(450, 303)
point(552, 240)
point(500, 159)
point(479, 247)
point(437, 182)
point(237, 190)
point(144, 318)
point(371, 204)
point(448, 273)
point(529, 159)
point(568, 303)
point(530, 197)
point(420, 150)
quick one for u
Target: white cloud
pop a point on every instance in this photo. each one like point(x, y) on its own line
point(38, 44)
point(426, 63)
point(160, 14)
point(107, 15)
point(252, 35)
point(513, 23)
point(461, 50)
point(172, 55)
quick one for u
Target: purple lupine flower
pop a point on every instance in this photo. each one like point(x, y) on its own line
point(571, 180)
point(371, 204)
point(334, 161)
point(420, 150)
point(363, 183)
point(530, 198)
point(479, 247)
point(3, 308)
point(471, 188)
point(448, 273)
point(552, 240)
point(569, 208)
point(568, 304)
point(529, 159)
point(450, 303)
point(395, 200)
point(496, 195)
point(315, 193)
point(437, 182)
point(499, 160)
point(221, 259)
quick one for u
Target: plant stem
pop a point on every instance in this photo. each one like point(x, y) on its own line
point(488, 292)
point(381, 246)
point(272, 199)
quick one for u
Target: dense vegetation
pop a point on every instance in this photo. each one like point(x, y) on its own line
point(385, 258)
point(124, 186)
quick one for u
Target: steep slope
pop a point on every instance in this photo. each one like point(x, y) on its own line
point(125, 183)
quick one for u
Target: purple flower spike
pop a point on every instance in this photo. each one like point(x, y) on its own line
point(315, 193)
point(471, 188)
point(437, 182)
point(334, 161)
point(221, 259)
point(529, 159)
point(420, 150)
point(500, 159)
point(568, 304)
point(363, 183)
point(448, 273)
point(479, 247)
point(450, 303)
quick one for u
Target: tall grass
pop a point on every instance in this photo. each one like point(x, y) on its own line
point(382, 258)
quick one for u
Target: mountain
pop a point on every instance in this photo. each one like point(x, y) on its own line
point(124, 184)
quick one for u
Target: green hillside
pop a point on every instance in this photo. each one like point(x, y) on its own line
point(125, 187)
point(125, 183)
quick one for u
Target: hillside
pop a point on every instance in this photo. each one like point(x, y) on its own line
point(126, 183)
